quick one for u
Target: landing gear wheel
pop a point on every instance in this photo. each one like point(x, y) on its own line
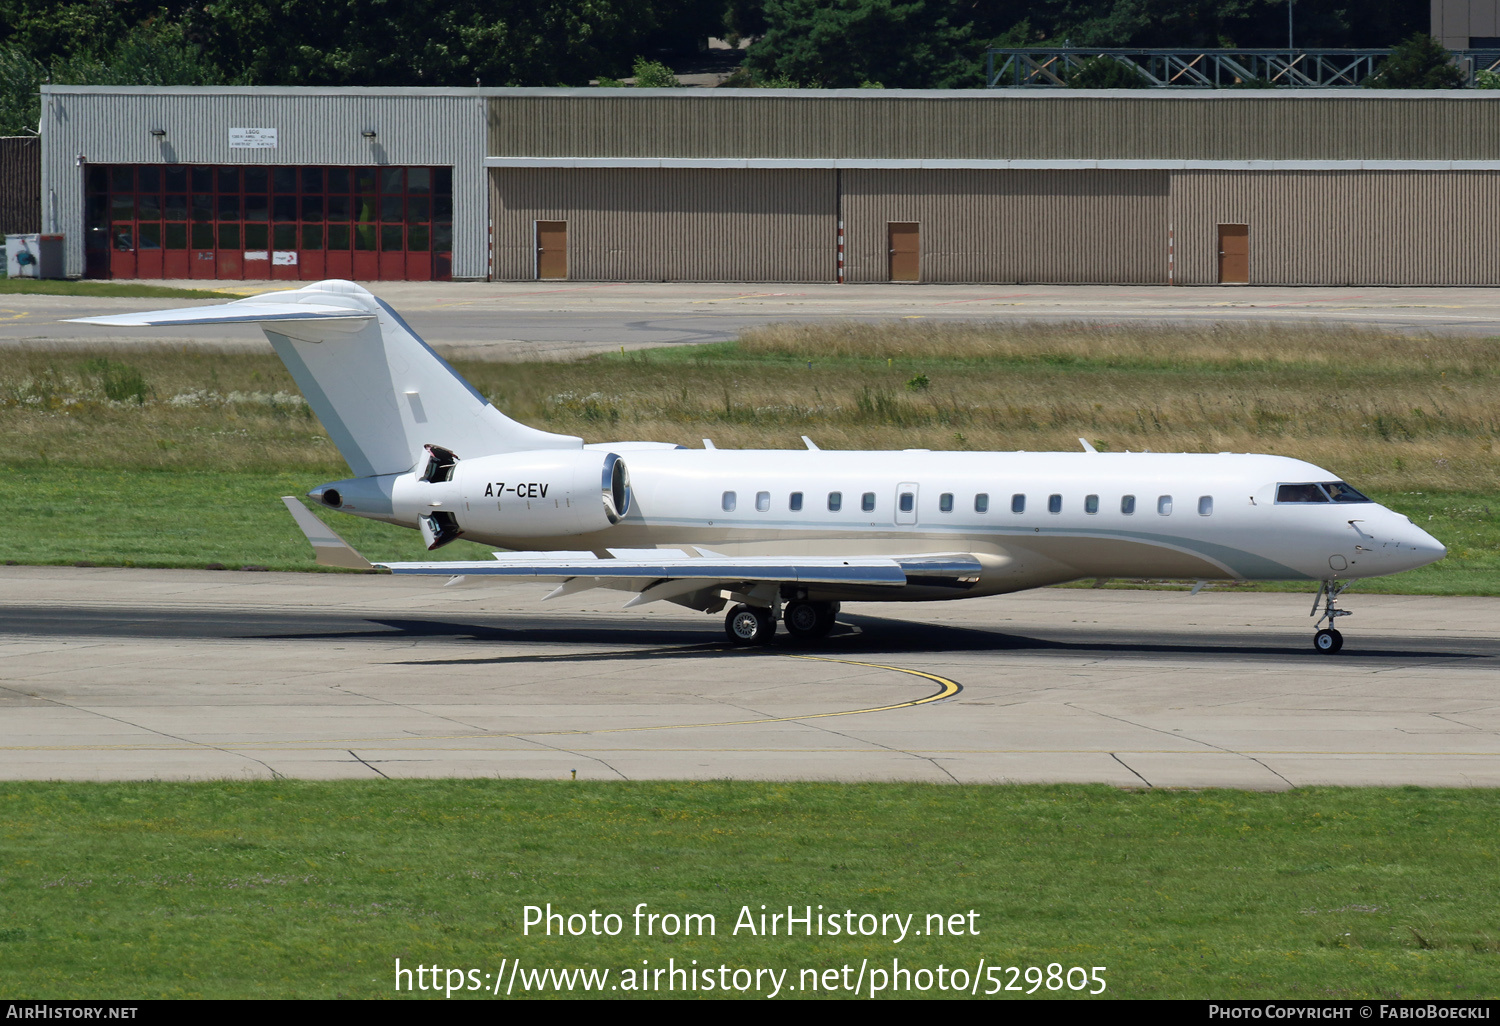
point(1328, 640)
point(808, 621)
point(749, 625)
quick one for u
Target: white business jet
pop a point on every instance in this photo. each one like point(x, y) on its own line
point(782, 534)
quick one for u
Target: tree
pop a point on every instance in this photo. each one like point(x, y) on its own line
point(1106, 73)
point(152, 53)
point(446, 42)
point(1197, 23)
point(941, 43)
point(839, 44)
point(1420, 62)
point(653, 75)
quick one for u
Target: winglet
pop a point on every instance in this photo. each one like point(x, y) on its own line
point(1086, 446)
point(330, 549)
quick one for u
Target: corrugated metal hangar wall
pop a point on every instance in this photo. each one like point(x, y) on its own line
point(1263, 187)
point(1326, 187)
point(653, 224)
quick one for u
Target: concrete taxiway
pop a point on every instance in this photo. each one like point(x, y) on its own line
point(544, 320)
point(132, 674)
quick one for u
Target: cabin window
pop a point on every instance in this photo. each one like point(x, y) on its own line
point(795, 502)
point(867, 502)
point(835, 501)
point(945, 502)
point(1127, 505)
point(1205, 505)
point(1054, 504)
point(982, 502)
point(762, 501)
point(1091, 504)
point(1164, 505)
point(1018, 503)
point(729, 502)
point(908, 502)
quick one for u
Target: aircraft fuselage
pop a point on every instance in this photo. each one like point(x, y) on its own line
point(1031, 519)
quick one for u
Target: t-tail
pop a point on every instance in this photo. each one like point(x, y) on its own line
point(386, 399)
point(421, 440)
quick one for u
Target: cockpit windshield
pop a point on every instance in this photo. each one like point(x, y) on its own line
point(1340, 492)
point(1327, 491)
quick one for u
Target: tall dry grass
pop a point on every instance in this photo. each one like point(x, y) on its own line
point(155, 408)
point(1384, 410)
point(1340, 348)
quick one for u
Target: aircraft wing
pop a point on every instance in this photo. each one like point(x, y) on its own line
point(801, 569)
point(659, 573)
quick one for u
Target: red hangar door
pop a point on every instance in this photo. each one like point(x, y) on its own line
point(294, 223)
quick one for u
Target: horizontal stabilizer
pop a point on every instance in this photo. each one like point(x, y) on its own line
point(250, 311)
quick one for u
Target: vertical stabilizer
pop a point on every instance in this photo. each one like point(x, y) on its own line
point(379, 390)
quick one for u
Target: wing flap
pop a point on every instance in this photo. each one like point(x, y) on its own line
point(870, 570)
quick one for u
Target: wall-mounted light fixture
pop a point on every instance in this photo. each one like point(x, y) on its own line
point(159, 132)
point(368, 133)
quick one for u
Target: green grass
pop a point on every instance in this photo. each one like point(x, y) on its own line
point(313, 889)
point(187, 519)
point(70, 287)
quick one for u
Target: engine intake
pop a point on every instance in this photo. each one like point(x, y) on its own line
point(616, 489)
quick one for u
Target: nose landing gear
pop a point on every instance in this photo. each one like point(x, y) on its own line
point(1328, 639)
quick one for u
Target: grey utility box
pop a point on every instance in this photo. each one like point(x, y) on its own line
point(34, 256)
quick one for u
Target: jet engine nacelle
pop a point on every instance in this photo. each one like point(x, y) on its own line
point(544, 493)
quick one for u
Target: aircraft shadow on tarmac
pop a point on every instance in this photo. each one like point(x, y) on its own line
point(612, 638)
point(858, 636)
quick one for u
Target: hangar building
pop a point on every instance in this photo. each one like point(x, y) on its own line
point(1325, 187)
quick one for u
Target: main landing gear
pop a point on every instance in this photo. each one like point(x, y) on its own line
point(1328, 639)
point(808, 621)
point(750, 625)
point(756, 625)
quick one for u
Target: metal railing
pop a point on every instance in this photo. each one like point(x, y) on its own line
point(1044, 68)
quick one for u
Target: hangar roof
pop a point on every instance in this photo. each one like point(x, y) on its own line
point(869, 127)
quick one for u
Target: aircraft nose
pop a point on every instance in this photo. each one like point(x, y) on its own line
point(1417, 547)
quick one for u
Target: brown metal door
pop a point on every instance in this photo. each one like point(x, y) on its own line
point(552, 249)
point(905, 248)
point(1234, 254)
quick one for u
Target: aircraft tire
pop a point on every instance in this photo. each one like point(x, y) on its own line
point(1328, 641)
point(749, 625)
point(808, 621)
